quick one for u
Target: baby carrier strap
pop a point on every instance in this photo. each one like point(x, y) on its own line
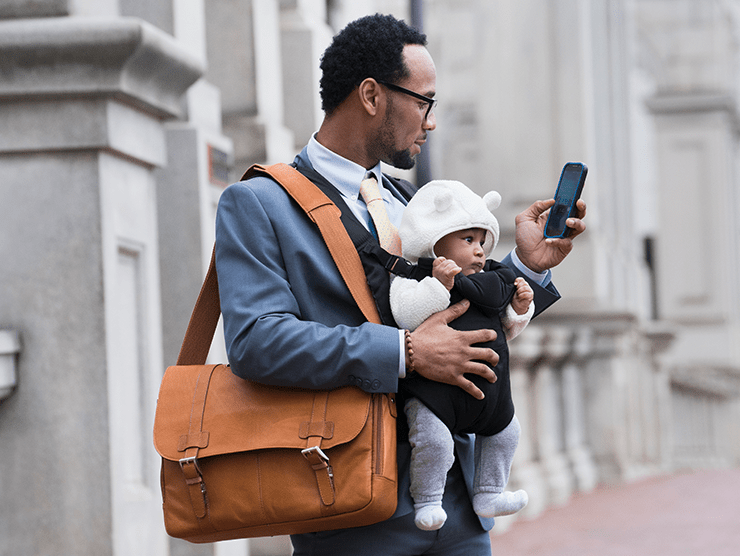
point(376, 262)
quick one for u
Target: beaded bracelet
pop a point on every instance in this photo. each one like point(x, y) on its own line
point(410, 351)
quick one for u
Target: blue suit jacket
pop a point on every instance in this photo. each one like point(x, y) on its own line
point(290, 320)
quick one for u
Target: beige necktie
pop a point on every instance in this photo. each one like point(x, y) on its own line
point(387, 232)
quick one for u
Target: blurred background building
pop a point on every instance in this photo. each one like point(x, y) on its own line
point(121, 121)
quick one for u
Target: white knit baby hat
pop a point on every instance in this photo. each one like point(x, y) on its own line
point(441, 207)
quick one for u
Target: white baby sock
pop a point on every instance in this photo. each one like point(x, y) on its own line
point(429, 517)
point(493, 504)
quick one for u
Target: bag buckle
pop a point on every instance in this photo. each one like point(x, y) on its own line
point(319, 462)
point(196, 486)
point(191, 460)
point(314, 454)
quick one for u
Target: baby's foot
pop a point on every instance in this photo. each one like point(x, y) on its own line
point(492, 504)
point(430, 518)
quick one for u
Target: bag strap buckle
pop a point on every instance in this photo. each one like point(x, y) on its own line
point(319, 462)
point(196, 487)
point(315, 456)
point(191, 460)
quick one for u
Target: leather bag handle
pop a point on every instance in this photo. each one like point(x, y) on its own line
point(326, 215)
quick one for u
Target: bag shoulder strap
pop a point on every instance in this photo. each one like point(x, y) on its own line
point(326, 216)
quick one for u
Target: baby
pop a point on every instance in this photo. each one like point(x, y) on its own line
point(449, 231)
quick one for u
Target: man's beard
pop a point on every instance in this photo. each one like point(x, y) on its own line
point(385, 143)
point(402, 160)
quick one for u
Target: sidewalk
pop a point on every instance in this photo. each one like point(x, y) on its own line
point(687, 514)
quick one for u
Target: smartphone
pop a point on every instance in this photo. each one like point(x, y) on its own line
point(569, 190)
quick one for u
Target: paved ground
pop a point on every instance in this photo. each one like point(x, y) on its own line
point(688, 514)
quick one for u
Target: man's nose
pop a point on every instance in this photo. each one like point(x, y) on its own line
point(430, 122)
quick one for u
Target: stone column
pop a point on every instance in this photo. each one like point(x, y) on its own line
point(304, 37)
point(84, 101)
point(574, 413)
point(525, 351)
point(658, 339)
point(692, 58)
point(623, 405)
point(243, 41)
point(548, 385)
point(696, 137)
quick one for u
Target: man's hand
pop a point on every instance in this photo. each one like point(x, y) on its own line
point(444, 354)
point(536, 252)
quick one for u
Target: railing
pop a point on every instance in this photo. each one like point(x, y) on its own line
point(597, 404)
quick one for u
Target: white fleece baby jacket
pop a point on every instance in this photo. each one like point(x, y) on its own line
point(437, 209)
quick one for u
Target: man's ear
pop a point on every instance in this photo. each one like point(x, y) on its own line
point(369, 95)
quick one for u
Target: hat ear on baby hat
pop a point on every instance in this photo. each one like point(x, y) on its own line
point(492, 200)
point(442, 200)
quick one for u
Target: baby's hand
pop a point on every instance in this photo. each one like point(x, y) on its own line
point(523, 296)
point(444, 270)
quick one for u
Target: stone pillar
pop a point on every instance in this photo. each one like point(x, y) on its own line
point(606, 396)
point(549, 396)
point(84, 100)
point(659, 337)
point(200, 162)
point(577, 449)
point(696, 137)
point(626, 401)
point(692, 61)
point(243, 41)
point(694, 106)
point(304, 37)
point(525, 351)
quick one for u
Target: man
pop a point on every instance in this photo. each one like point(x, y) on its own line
point(290, 320)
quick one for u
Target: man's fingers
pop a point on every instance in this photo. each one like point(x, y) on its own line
point(536, 209)
point(454, 311)
point(476, 365)
point(581, 208)
point(479, 337)
point(471, 388)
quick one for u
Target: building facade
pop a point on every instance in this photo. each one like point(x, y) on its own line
point(121, 121)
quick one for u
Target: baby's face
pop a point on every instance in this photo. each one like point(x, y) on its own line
point(465, 247)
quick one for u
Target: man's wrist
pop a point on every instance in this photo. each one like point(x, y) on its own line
point(541, 278)
point(409, 350)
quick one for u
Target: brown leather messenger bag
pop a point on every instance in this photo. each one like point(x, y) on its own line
point(240, 459)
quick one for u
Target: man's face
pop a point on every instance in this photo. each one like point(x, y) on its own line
point(404, 127)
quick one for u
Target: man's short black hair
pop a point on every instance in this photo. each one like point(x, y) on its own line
point(371, 46)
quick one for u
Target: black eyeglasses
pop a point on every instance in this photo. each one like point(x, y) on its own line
point(430, 101)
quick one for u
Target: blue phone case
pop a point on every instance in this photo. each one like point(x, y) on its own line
point(570, 186)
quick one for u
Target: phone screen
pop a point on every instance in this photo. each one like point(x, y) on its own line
point(569, 190)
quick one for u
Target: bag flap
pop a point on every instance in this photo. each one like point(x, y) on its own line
point(239, 415)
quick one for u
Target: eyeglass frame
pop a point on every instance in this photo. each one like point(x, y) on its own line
point(432, 102)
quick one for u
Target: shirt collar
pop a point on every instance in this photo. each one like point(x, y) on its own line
point(344, 174)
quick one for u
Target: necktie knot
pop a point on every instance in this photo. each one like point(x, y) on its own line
point(387, 232)
point(369, 189)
